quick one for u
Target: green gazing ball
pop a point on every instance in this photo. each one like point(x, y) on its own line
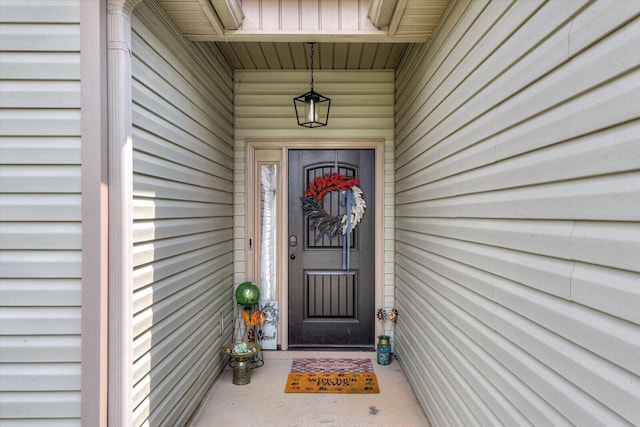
point(247, 293)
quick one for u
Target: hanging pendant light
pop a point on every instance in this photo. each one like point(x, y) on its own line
point(312, 109)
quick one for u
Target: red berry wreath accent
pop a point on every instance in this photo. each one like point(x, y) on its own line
point(312, 204)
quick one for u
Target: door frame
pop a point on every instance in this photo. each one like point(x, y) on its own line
point(278, 151)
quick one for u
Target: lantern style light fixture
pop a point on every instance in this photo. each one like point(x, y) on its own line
point(312, 109)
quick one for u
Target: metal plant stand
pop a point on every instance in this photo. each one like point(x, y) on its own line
point(251, 334)
point(241, 362)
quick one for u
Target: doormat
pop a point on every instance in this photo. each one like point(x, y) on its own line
point(331, 365)
point(346, 376)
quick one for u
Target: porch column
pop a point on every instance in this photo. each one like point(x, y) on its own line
point(120, 129)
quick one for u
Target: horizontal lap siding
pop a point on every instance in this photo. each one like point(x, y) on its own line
point(362, 107)
point(183, 226)
point(518, 215)
point(40, 213)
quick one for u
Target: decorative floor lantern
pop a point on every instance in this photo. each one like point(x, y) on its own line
point(312, 109)
point(384, 350)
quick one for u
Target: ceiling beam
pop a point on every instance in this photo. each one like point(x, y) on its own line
point(380, 12)
point(308, 36)
point(229, 12)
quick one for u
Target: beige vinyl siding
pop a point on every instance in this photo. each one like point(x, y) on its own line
point(362, 107)
point(183, 235)
point(518, 215)
point(40, 213)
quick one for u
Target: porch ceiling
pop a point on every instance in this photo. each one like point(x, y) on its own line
point(272, 34)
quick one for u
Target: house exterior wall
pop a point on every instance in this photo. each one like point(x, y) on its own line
point(182, 210)
point(40, 214)
point(518, 215)
point(362, 107)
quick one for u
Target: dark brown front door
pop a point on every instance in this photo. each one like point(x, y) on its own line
point(330, 305)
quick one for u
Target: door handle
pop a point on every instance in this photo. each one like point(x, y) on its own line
point(292, 256)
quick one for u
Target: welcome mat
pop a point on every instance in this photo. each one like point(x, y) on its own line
point(354, 376)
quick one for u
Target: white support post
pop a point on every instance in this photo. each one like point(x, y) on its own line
point(120, 130)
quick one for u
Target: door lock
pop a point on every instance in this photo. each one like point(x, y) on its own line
point(292, 256)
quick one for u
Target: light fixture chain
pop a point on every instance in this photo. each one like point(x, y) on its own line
point(312, 45)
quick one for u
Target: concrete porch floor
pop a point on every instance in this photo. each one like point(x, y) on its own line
point(263, 402)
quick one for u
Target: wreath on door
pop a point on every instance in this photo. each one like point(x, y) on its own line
point(351, 197)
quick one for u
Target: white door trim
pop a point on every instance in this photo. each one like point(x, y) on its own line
point(283, 146)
